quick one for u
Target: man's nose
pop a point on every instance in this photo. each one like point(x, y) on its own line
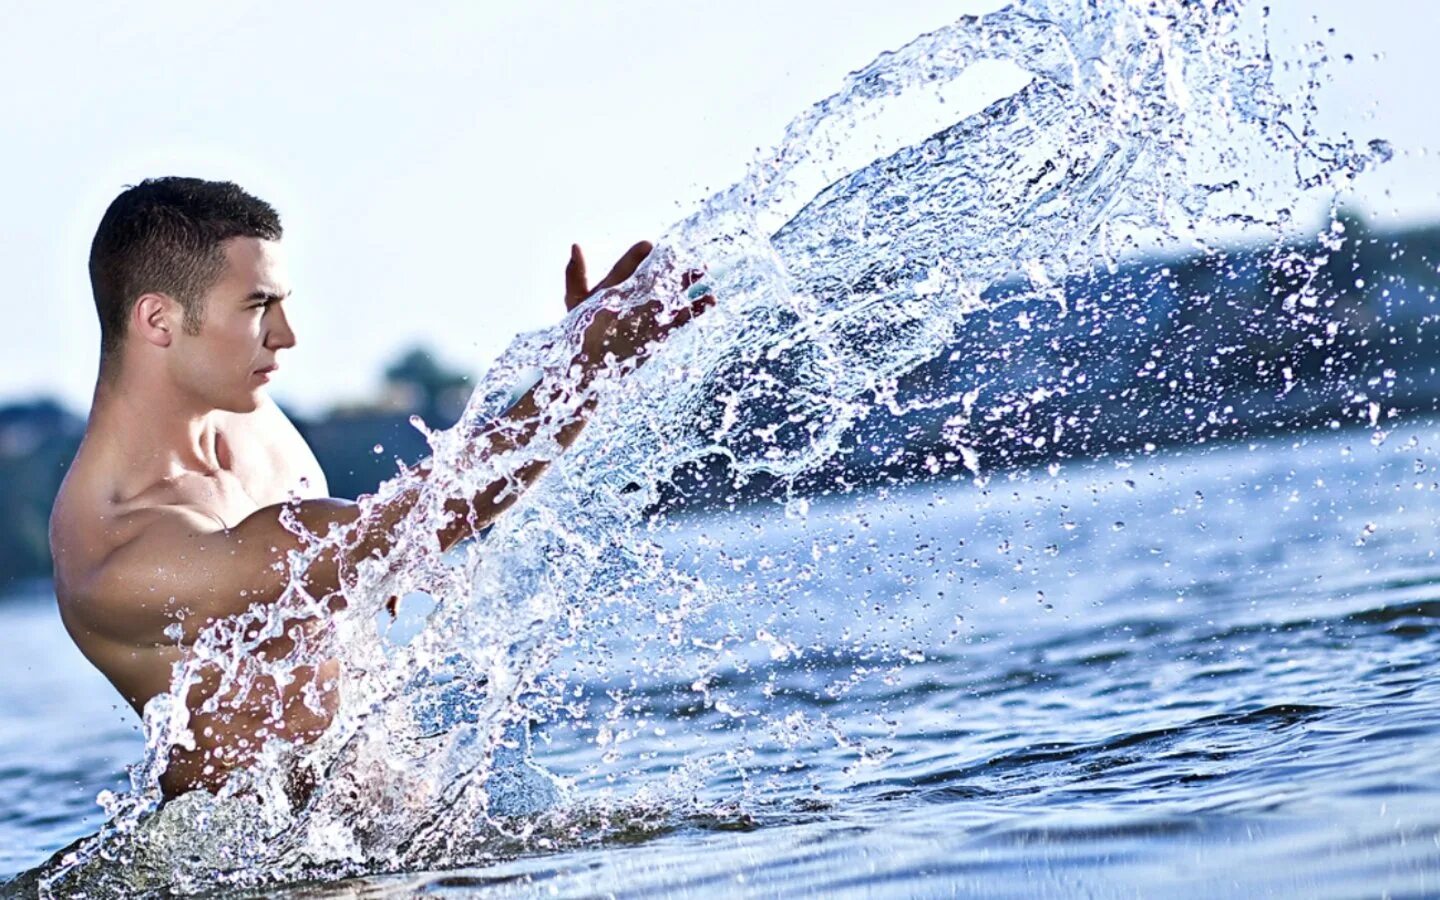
point(281, 335)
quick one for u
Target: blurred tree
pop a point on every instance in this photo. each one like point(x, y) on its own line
point(37, 441)
point(438, 394)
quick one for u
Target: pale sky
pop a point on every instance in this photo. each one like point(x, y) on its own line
point(434, 162)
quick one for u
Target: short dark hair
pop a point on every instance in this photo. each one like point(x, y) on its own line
point(165, 235)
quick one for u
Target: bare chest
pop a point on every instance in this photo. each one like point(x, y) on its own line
point(248, 484)
point(228, 496)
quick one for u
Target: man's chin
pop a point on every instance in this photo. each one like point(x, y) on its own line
point(245, 403)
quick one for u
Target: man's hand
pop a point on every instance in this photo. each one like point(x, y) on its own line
point(626, 336)
point(629, 335)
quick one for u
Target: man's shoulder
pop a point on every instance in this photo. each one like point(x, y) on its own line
point(92, 516)
point(122, 585)
point(78, 516)
point(87, 535)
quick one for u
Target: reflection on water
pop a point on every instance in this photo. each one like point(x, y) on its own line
point(1082, 676)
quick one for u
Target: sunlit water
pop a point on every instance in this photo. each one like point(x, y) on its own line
point(1101, 676)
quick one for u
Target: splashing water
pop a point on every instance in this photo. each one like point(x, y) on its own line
point(841, 264)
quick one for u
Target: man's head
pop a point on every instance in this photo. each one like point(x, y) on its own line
point(165, 252)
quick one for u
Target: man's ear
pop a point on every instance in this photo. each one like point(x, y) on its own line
point(156, 318)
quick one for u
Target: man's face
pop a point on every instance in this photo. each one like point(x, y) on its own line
point(228, 363)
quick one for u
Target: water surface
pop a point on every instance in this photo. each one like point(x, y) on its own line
point(1231, 685)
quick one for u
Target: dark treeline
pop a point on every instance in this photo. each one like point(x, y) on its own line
point(1324, 334)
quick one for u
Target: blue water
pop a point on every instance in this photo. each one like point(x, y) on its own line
point(1201, 672)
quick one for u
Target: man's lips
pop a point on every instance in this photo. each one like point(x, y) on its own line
point(273, 367)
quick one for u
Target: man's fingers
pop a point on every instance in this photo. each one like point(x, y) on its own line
point(626, 266)
point(575, 284)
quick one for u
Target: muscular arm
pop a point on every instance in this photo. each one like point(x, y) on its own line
point(180, 564)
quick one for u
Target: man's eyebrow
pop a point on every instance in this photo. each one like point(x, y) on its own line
point(267, 296)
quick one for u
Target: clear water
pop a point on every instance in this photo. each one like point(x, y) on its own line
point(1087, 677)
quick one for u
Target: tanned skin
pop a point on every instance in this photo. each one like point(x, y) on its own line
point(172, 509)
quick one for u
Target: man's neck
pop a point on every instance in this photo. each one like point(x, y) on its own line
point(159, 430)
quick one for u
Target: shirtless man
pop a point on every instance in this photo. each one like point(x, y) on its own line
point(171, 512)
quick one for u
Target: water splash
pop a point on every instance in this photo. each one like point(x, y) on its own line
point(840, 268)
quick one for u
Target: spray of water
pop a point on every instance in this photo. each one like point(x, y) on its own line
point(844, 258)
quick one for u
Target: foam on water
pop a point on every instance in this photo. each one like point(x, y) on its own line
point(1137, 123)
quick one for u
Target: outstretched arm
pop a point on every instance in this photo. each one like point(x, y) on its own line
point(626, 338)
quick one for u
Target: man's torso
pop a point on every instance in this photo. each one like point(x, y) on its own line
point(262, 461)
